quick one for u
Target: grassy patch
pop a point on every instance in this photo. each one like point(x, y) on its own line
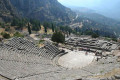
point(41, 41)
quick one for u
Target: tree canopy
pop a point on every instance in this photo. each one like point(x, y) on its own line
point(58, 37)
point(5, 35)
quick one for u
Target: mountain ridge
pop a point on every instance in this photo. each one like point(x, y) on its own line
point(43, 10)
point(7, 11)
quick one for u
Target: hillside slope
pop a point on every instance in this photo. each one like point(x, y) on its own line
point(43, 10)
point(7, 11)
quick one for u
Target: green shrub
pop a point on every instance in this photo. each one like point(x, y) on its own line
point(17, 34)
point(114, 39)
point(3, 25)
point(58, 37)
point(94, 35)
point(41, 41)
point(5, 35)
point(7, 29)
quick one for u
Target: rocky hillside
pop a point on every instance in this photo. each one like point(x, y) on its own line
point(7, 11)
point(43, 10)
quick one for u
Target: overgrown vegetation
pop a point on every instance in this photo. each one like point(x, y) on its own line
point(3, 25)
point(41, 41)
point(20, 23)
point(114, 39)
point(7, 29)
point(35, 25)
point(94, 35)
point(17, 34)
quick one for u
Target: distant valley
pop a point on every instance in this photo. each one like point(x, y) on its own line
point(100, 19)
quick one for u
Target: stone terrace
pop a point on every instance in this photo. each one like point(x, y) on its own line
point(97, 44)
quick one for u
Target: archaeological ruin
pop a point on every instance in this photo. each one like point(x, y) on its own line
point(21, 59)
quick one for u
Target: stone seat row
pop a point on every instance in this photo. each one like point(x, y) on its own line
point(23, 46)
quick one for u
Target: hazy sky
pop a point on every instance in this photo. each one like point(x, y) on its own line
point(91, 3)
point(107, 7)
point(82, 3)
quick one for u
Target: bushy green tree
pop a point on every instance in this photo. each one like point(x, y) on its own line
point(5, 35)
point(36, 25)
point(114, 39)
point(15, 22)
point(46, 25)
point(94, 35)
point(2, 25)
point(7, 29)
point(20, 23)
point(66, 29)
point(40, 26)
point(45, 29)
point(53, 27)
point(58, 37)
point(35, 28)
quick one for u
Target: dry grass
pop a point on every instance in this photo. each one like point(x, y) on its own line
point(2, 30)
point(40, 45)
point(25, 29)
point(3, 78)
point(42, 31)
point(49, 31)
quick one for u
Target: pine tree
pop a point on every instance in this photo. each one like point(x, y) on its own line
point(29, 29)
point(45, 24)
point(45, 29)
point(53, 28)
point(39, 26)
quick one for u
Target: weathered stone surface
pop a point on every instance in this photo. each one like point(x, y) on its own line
point(113, 78)
point(117, 76)
point(104, 79)
point(118, 60)
point(109, 78)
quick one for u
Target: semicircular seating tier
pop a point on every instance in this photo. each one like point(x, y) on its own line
point(24, 46)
